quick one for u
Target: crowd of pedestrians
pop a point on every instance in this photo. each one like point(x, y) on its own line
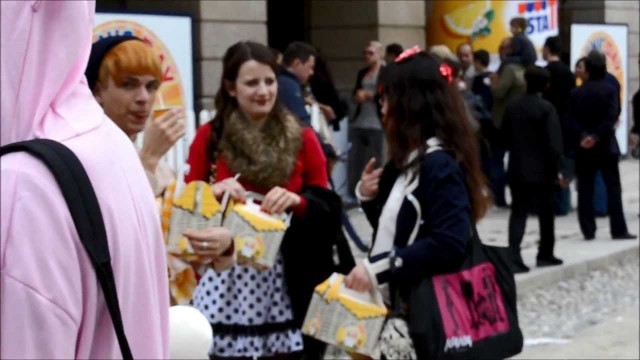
point(424, 106)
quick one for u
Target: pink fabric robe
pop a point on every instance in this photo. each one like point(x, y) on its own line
point(51, 305)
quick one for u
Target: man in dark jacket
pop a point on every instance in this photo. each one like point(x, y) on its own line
point(481, 84)
point(298, 62)
point(561, 83)
point(593, 113)
point(532, 135)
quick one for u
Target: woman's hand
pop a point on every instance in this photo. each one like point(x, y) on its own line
point(587, 142)
point(358, 279)
point(370, 179)
point(361, 96)
point(210, 244)
point(328, 112)
point(279, 200)
point(237, 191)
point(159, 137)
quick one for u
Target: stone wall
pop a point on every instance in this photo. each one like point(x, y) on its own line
point(220, 25)
point(341, 29)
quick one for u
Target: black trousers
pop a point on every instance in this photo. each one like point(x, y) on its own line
point(524, 197)
point(588, 163)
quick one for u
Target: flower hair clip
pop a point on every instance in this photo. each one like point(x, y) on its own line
point(407, 54)
point(447, 72)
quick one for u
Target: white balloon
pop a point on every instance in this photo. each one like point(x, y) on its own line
point(190, 334)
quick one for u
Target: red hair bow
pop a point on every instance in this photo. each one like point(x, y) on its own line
point(447, 72)
point(409, 53)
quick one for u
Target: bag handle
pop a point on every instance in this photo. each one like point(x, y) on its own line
point(84, 208)
point(433, 145)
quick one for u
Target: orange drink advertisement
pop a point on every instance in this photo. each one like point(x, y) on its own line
point(484, 23)
point(171, 93)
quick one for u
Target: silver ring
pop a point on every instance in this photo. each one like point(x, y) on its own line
point(205, 244)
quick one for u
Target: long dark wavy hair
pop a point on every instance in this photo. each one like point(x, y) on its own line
point(236, 55)
point(422, 104)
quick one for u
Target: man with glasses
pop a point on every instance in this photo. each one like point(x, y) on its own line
point(365, 131)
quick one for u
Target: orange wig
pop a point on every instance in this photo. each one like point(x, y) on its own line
point(129, 58)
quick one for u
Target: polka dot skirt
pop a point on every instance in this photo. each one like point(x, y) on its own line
point(249, 311)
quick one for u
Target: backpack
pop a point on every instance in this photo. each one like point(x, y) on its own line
point(84, 208)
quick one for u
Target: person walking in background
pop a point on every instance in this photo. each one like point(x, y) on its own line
point(506, 86)
point(464, 52)
point(580, 71)
point(323, 90)
point(298, 62)
point(490, 139)
point(533, 137)
point(561, 83)
point(593, 113)
point(479, 118)
point(481, 84)
point(52, 305)
point(599, 190)
point(365, 132)
point(635, 129)
point(442, 52)
point(392, 51)
point(522, 50)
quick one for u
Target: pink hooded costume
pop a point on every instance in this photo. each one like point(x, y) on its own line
point(51, 305)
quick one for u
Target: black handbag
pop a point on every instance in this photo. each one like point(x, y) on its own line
point(84, 208)
point(469, 313)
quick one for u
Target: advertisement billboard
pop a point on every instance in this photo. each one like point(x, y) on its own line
point(484, 23)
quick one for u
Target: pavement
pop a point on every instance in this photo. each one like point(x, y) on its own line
point(580, 256)
point(616, 338)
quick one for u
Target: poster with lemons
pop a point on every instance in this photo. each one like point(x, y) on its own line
point(484, 23)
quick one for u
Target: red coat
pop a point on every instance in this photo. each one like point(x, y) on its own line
point(310, 168)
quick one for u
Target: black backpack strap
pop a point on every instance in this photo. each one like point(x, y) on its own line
point(87, 217)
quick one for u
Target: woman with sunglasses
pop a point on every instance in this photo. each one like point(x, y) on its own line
point(424, 202)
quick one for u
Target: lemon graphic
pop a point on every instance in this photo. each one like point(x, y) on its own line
point(461, 21)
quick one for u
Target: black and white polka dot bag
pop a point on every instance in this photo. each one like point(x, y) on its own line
point(395, 342)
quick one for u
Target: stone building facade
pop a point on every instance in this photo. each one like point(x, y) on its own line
point(340, 29)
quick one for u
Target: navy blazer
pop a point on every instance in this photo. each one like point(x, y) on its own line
point(593, 110)
point(434, 223)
